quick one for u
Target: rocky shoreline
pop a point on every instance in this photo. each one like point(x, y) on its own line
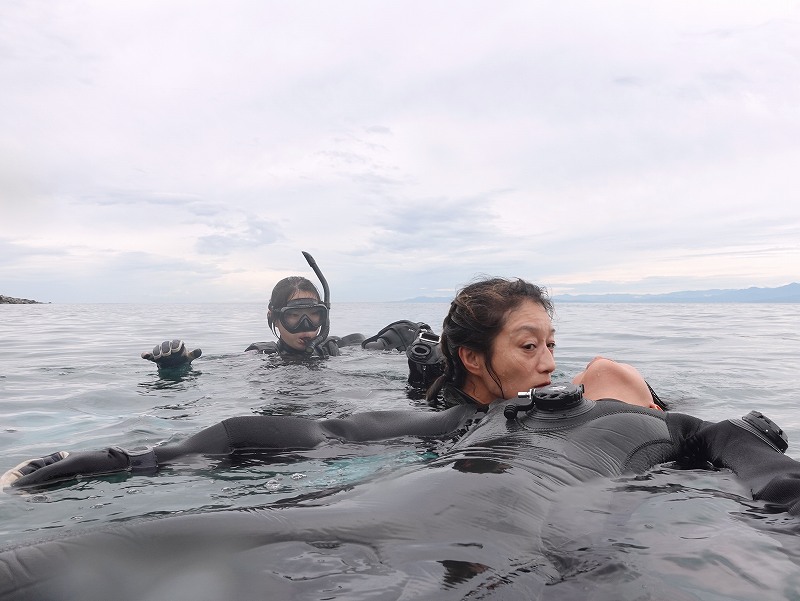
point(10, 300)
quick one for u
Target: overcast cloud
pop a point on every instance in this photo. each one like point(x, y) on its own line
point(156, 151)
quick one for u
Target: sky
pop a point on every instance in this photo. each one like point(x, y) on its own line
point(188, 151)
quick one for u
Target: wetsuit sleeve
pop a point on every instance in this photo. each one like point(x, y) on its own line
point(770, 475)
point(62, 466)
point(354, 339)
point(278, 433)
point(249, 433)
point(267, 348)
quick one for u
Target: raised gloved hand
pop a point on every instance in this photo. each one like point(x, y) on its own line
point(171, 354)
point(62, 466)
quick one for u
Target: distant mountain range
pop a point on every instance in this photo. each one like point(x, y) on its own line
point(782, 294)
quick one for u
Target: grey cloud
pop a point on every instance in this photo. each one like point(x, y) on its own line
point(628, 81)
point(376, 179)
point(129, 197)
point(432, 222)
point(59, 276)
point(257, 233)
point(439, 242)
point(12, 253)
point(358, 158)
point(345, 157)
point(374, 145)
point(125, 262)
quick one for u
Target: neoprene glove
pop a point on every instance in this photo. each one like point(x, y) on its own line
point(62, 466)
point(397, 335)
point(171, 354)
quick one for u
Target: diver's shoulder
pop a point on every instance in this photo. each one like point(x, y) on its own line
point(267, 348)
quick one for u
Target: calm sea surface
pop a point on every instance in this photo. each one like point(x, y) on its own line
point(71, 378)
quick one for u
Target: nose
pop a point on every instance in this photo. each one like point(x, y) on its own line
point(547, 362)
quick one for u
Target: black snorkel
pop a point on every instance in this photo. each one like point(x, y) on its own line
point(326, 327)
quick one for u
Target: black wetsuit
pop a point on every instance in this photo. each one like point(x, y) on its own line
point(482, 521)
point(327, 348)
point(605, 438)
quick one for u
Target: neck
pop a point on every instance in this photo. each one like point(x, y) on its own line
point(476, 389)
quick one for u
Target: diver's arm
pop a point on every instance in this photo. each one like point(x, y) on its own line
point(398, 335)
point(171, 353)
point(62, 466)
point(240, 434)
point(769, 474)
point(354, 339)
point(381, 425)
point(254, 433)
point(330, 347)
point(266, 348)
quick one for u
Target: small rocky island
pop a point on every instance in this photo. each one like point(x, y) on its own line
point(10, 300)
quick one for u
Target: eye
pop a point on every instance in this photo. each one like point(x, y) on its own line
point(551, 345)
point(530, 346)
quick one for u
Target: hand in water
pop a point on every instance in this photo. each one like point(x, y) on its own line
point(63, 466)
point(171, 354)
point(29, 466)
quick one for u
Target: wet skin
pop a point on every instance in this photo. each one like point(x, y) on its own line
point(522, 356)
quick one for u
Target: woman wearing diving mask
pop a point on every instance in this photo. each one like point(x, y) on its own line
point(297, 315)
point(301, 321)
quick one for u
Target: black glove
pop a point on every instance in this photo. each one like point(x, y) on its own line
point(62, 466)
point(29, 466)
point(396, 336)
point(171, 354)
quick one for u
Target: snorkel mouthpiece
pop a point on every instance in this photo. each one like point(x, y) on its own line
point(313, 346)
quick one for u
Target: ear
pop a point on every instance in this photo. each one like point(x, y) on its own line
point(274, 324)
point(472, 360)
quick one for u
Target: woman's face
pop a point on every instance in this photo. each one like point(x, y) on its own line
point(300, 340)
point(522, 356)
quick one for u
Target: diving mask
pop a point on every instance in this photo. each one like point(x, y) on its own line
point(302, 315)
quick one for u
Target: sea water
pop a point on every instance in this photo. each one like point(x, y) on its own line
point(71, 378)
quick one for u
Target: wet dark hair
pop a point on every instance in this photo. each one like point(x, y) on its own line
point(284, 290)
point(476, 316)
